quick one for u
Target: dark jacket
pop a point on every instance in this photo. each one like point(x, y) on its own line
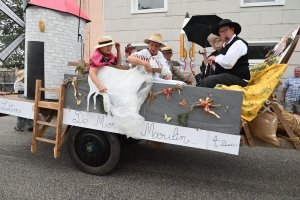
point(241, 67)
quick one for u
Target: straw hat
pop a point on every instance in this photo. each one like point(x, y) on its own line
point(155, 37)
point(20, 75)
point(104, 41)
point(211, 39)
point(228, 22)
point(166, 50)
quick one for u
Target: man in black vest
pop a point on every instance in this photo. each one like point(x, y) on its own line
point(231, 65)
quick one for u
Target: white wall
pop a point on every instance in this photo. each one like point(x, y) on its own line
point(60, 43)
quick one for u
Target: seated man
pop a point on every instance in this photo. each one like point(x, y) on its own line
point(153, 58)
point(186, 77)
point(231, 65)
point(206, 69)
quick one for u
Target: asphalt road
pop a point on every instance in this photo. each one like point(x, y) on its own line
point(173, 172)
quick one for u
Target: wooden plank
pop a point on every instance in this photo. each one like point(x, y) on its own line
point(35, 133)
point(49, 105)
point(248, 133)
point(58, 136)
point(64, 134)
point(285, 125)
point(43, 129)
point(72, 63)
point(45, 140)
point(284, 143)
point(49, 90)
point(46, 123)
point(86, 65)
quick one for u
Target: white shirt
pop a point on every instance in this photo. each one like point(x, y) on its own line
point(235, 51)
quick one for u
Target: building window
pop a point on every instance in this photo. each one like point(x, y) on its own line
point(148, 6)
point(257, 51)
point(249, 3)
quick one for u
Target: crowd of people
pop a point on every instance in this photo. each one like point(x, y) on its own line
point(227, 65)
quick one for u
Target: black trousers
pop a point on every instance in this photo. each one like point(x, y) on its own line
point(225, 79)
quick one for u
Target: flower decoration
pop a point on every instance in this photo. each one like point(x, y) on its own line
point(151, 96)
point(206, 104)
point(168, 91)
point(183, 102)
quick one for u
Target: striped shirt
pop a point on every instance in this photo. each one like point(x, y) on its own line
point(293, 88)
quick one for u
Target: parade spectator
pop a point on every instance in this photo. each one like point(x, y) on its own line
point(231, 64)
point(103, 56)
point(19, 88)
point(291, 92)
point(177, 74)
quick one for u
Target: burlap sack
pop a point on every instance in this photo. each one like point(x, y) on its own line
point(264, 126)
point(292, 120)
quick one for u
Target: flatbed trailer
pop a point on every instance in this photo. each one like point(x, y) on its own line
point(95, 146)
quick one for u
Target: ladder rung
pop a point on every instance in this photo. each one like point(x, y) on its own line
point(48, 90)
point(49, 105)
point(45, 140)
point(46, 123)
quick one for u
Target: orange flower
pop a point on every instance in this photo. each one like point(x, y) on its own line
point(183, 102)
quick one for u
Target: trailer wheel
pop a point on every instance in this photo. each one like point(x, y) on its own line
point(94, 152)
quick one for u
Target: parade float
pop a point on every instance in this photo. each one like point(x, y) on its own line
point(220, 119)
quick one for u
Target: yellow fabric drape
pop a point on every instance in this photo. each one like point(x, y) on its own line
point(263, 81)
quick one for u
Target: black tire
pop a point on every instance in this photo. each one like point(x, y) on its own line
point(131, 141)
point(94, 152)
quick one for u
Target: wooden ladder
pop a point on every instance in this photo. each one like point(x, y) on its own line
point(57, 110)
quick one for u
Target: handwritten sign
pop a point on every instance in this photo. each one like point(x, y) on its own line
point(16, 108)
point(165, 133)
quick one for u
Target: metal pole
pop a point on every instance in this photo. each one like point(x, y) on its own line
point(24, 6)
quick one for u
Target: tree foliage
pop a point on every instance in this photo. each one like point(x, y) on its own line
point(9, 30)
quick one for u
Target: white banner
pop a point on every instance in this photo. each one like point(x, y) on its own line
point(17, 108)
point(190, 137)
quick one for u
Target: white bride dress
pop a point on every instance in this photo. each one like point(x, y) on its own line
point(126, 92)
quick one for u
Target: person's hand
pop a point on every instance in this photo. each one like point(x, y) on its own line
point(16, 70)
point(117, 45)
point(211, 59)
point(188, 82)
point(203, 52)
point(102, 89)
point(282, 100)
point(148, 67)
point(168, 77)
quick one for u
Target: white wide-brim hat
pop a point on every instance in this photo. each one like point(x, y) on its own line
point(104, 41)
point(155, 37)
point(211, 39)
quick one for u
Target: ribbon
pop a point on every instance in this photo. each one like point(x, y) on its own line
point(206, 104)
point(168, 91)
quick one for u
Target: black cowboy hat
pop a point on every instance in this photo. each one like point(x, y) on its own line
point(227, 22)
